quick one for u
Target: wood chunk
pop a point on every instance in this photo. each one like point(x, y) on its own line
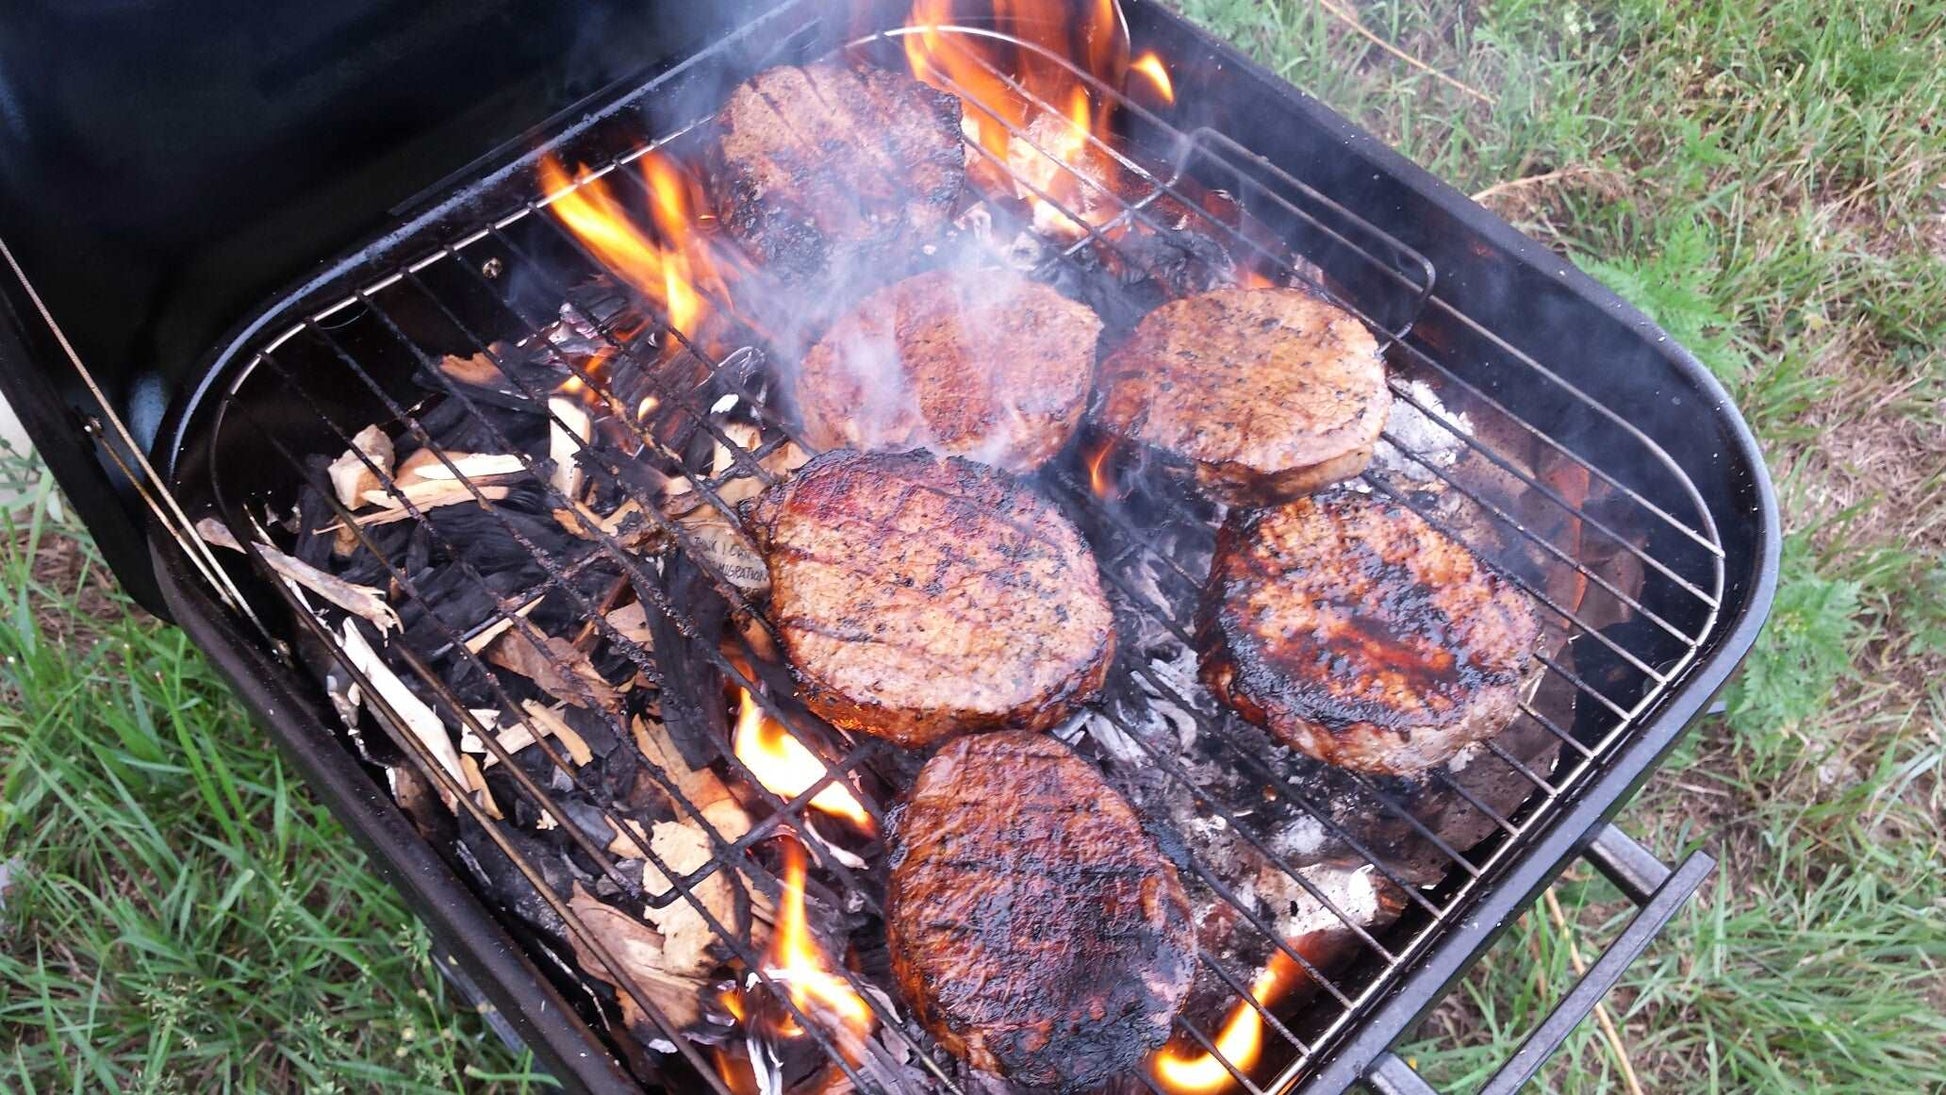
point(478, 371)
point(352, 474)
point(424, 496)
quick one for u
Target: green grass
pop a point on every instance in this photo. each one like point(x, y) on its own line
point(1765, 179)
point(179, 916)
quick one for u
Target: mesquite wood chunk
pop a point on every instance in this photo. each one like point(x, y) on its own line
point(1360, 635)
point(831, 171)
point(1034, 927)
point(1269, 393)
point(984, 364)
point(920, 597)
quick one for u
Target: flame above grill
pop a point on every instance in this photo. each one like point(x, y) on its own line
point(671, 266)
point(1185, 1068)
point(796, 960)
point(1028, 111)
point(787, 766)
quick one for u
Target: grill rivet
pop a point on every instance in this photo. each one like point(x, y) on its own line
point(492, 267)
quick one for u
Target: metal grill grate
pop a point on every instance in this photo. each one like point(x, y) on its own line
point(1632, 592)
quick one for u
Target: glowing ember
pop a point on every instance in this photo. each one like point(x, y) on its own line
point(1151, 67)
point(795, 960)
point(1186, 1069)
point(670, 267)
point(1098, 478)
point(787, 767)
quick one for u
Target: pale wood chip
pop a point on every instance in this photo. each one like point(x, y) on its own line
point(419, 719)
point(476, 779)
point(424, 496)
point(631, 622)
point(361, 601)
point(708, 794)
point(556, 666)
point(637, 950)
point(568, 429)
point(477, 370)
point(494, 630)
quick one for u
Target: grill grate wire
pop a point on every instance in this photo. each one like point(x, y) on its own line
point(1393, 313)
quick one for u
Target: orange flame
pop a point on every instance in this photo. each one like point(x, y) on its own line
point(787, 766)
point(1151, 66)
point(1025, 110)
point(1249, 278)
point(1187, 1069)
point(670, 267)
point(796, 960)
point(1098, 477)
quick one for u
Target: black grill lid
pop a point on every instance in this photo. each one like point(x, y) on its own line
point(165, 165)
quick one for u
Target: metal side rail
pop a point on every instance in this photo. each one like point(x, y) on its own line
point(1659, 891)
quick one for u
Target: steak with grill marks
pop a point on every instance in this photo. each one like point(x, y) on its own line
point(1270, 393)
point(1034, 927)
point(1360, 635)
point(920, 597)
point(836, 170)
point(984, 364)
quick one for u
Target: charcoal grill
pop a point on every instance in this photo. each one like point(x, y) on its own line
point(1589, 417)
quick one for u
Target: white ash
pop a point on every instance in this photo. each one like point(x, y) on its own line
point(1432, 436)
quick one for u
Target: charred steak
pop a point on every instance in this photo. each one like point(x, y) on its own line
point(920, 597)
point(987, 365)
point(1359, 634)
point(834, 170)
point(1034, 927)
point(1270, 393)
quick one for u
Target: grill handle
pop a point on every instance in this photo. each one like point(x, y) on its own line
point(1659, 891)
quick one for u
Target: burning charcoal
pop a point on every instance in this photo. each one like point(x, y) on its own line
point(458, 425)
point(503, 880)
point(638, 951)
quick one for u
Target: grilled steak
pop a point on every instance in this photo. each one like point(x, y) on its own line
point(836, 170)
point(1361, 635)
point(1034, 927)
point(1271, 393)
point(918, 598)
point(987, 365)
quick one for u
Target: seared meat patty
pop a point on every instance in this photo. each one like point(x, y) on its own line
point(1271, 393)
point(834, 169)
point(1034, 927)
point(1359, 634)
point(984, 364)
point(920, 597)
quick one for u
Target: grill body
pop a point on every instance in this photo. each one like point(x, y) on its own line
point(1622, 396)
